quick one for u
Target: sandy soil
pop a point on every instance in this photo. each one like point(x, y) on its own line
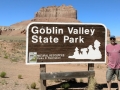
point(30, 74)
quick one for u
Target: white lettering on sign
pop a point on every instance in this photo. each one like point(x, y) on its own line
point(81, 30)
point(40, 39)
point(34, 31)
point(34, 39)
point(73, 40)
point(56, 30)
point(46, 30)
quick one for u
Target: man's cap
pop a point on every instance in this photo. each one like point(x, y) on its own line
point(112, 36)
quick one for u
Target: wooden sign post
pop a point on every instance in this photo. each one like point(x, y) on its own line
point(42, 82)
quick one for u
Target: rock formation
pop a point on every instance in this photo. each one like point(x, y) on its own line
point(0, 31)
point(108, 33)
point(56, 14)
point(54, 11)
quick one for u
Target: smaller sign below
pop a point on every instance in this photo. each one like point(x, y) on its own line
point(65, 43)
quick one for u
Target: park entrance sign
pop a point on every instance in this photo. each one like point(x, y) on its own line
point(63, 43)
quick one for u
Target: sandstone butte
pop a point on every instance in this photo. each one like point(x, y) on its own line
point(61, 13)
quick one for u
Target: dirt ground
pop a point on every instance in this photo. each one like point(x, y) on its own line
point(13, 63)
point(31, 73)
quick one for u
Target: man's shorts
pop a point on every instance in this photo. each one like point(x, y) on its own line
point(110, 74)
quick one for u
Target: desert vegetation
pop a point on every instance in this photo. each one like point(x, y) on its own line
point(3, 74)
point(13, 49)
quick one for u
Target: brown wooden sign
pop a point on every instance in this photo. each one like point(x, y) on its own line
point(59, 43)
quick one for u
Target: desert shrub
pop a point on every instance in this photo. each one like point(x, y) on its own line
point(65, 86)
point(27, 87)
point(33, 85)
point(98, 66)
point(6, 56)
point(3, 74)
point(92, 83)
point(16, 83)
point(81, 80)
point(3, 82)
point(58, 80)
point(14, 59)
point(19, 76)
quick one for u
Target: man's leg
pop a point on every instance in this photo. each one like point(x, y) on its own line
point(118, 77)
point(109, 85)
point(118, 85)
point(109, 75)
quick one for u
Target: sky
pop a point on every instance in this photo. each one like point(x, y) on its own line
point(106, 12)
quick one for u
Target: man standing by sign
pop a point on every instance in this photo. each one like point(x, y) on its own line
point(113, 61)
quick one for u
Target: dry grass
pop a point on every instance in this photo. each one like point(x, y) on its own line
point(13, 48)
point(92, 83)
point(12, 38)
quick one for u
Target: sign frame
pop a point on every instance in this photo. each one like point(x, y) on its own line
point(27, 40)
